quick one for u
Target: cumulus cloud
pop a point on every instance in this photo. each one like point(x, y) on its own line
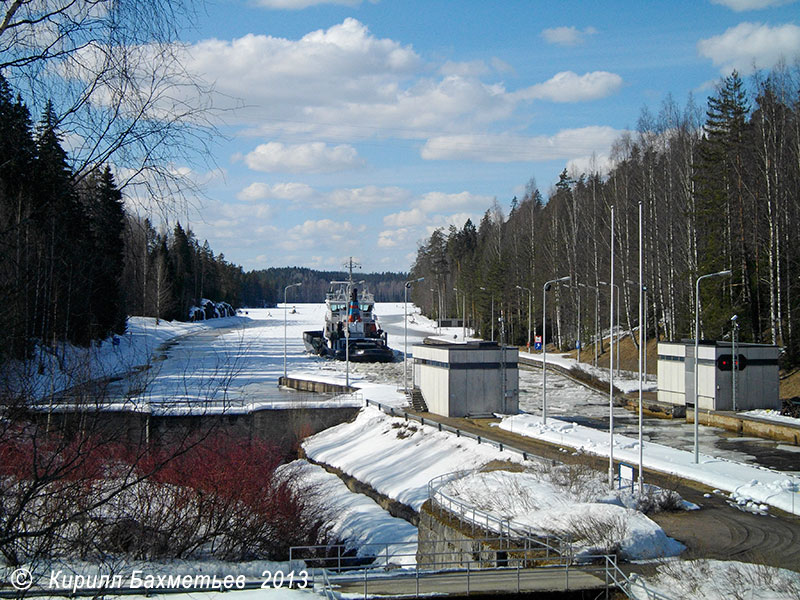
point(314, 157)
point(743, 5)
point(407, 218)
point(280, 191)
point(429, 211)
point(568, 144)
point(751, 45)
point(366, 198)
point(567, 36)
point(568, 86)
point(392, 238)
point(322, 234)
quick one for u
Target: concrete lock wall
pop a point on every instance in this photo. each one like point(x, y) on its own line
point(442, 545)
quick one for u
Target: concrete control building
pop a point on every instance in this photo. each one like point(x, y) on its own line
point(756, 379)
point(467, 379)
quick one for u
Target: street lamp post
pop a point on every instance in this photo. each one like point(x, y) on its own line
point(614, 326)
point(725, 273)
point(642, 345)
point(544, 342)
point(286, 289)
point(463, 313)
point(735, 358)
point(407, 285)
point(596, 316)
point(492, 319)
point(530, 294)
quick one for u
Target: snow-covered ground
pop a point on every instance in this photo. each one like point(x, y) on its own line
point(357, 519)
point(772, 415)
point(399, 458)
point(58, 368)
point(751, 486)
point(720, 580)
point(557, 500)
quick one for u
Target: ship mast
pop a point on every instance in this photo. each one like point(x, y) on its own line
point(350, 265)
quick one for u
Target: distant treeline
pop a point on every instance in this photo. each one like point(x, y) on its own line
point(266, 287)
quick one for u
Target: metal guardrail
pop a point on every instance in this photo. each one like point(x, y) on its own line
point(397, 412)
point(475, 517)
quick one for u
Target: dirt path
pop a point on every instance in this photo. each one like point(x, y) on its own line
point(718, 530)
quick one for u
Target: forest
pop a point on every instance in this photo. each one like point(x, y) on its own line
point(74, 263)
point(718, 187)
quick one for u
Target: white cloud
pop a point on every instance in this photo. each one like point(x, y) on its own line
point(596, 163)
point(279, 77)
point(314, 157)
point(568, 144)
point(568, 86)
point(392, 238)
point(280, 191)
point(567, 36)
point(743, 5)
point(750, 45)
point(408, 218)
point(322, 234)
point(365, 199)
point(439, 202)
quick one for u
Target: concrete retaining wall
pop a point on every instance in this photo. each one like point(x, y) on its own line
point(283, 427)
point(746, 425)
point(322, 387)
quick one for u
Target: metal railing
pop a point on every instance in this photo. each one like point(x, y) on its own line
point(398, 412)
point(512, 568)
point(508, 529)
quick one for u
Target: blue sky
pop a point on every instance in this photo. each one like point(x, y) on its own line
point(364, 124)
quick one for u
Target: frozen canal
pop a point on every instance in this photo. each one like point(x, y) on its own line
point(573, 402)
point(241, 363)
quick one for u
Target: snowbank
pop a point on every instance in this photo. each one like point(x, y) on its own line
point(357, 519)
point(758, 486)
point(719, 580)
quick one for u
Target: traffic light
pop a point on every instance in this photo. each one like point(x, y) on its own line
point(725, 362)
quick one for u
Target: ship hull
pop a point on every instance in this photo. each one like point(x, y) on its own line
point(361, 350)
